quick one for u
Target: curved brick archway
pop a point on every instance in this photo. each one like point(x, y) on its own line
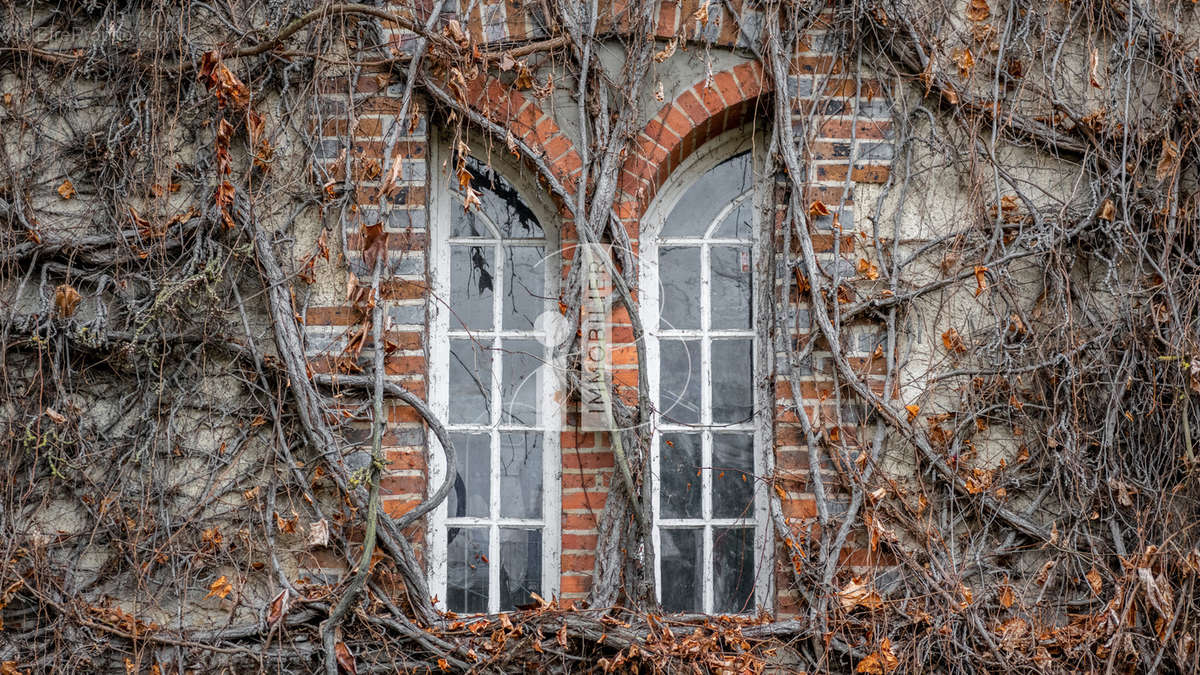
point(508, 107)
point(700, 113)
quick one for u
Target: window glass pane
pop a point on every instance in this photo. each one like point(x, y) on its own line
point(520, 389)
point(682, 559)
point(470, 383)
point(467, 569)
point(733, 475)
point(679, 381)
point(521, 474)
point(730, 286)
point(471, 287)
point(738, 223)
point(707, 196)
point(733, 570)
point(679, 468)
point(470, 496)
point(468, 223)
point(520, 566)
point(524, 286)
point(732, 379)
point(679, 281)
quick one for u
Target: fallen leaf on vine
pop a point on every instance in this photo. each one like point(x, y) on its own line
point(278, 607)
point(1094, 580)
point(966, 62)
point(66, 190)
point(220, 588)
point(980, 279)
point(880, 662)
point(344, 658)
point(912, 411)
point(454, 31)
point(1166, 164)
point(318, 533)
point(868, 269)
point(57, 418)
point(953, 342)
point(470, 199)
point(374, 244)
point(818, 208)
point(978, 10)
point(1093, 66)
point(1006, 596)
point(66, 300)
point(667, 51)
point(285, 526)
point(859, 592)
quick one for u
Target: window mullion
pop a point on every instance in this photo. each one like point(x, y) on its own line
point(494, 416)
point(708, 569)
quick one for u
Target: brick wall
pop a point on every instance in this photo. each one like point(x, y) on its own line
point(845, 121)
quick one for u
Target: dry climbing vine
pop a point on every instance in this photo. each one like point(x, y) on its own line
point(172, 467)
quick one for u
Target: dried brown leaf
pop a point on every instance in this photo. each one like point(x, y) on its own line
point(66, 300)
point(978, 10)
point(66, 190)
point(880, 662)
point(981, 283)
point(867, 269)
point(1166, 163)
point(953, 342)
point(344, 658)
point(221, 588)
point(278, 607)
point(1108, 210)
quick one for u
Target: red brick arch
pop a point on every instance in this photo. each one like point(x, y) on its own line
point(510, 108)
point(702, 112)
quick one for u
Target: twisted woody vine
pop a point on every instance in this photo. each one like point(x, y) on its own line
point(975, 317)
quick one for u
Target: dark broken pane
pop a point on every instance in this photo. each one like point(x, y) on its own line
point(500, 201)
point(706, 197)
point(467, 569)
point(732, 381)
point(679, 461)
point(738, 223)
point(733, 570)
point(679, 280)
point(470, 383)
point(520, 566)
point(679, 381)
point(521, 474)
point(682, 569)
point(733, 475)
point(524, 286)
point(730, 287)
point(471, 493)
point(520, 387)
point(471, 287)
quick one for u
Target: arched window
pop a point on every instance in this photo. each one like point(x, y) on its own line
point(495, 269)
point(699, 288)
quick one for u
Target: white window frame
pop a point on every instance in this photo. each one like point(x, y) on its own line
point(442, 327)
point(711, 154)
